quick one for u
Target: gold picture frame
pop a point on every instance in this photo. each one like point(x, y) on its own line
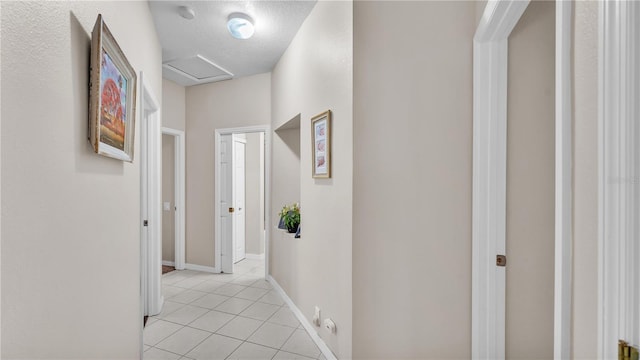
point(321, 145)
point(112, 96)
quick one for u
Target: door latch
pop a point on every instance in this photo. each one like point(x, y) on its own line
point(145, 223)
point(231, 210)
point(501, 260)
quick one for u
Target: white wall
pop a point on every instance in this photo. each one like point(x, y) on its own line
point(585, 183)
point(71, 218)
point(254, 205)
point(530, 223)
point(168, 195)
point(315, 74)
point(226, 104)
point(173, 105)
point(412, 179)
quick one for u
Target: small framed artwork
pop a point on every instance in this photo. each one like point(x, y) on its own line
point(321, 143)
point(112, 96)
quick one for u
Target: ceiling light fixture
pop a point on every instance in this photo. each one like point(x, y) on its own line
point(240, 26)
point(187, 12)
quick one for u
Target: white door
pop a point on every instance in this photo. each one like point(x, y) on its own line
point(239, 146)
point(226, 203)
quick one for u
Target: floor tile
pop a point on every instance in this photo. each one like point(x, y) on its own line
point(284, 316)
point(240, 328)
point(151, 320)
point(252, 351)
point(189, 282)
point(226, 277)
point(145, 347)
point(167, 308)
point(186, 314)
point(271, 335)
point(210, 301)
point(245, 280)
point(272, 297)
point(321, 357)
point(252, 293)
point(215, 347)
point(234, 305)
point(229, 289)
point(211, 321)
point(260, 311)
point(283, 355)
point(300, 343)
point(173, 278)
point(208, 286)
point(183, 341)
point(170, 291)
point(157, 354)
point(187, 296)
point(158, 331)
point(188, 273)
point(262, 284)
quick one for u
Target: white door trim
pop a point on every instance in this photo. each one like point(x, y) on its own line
point(150, 194)
point(266, 129)
point(490, 59)
point(563, 182)
point(618, 185)
point(179, 191)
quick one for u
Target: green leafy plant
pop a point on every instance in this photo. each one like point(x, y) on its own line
point(291, 216)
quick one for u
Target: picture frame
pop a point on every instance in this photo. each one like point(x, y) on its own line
point(112, 96)
point(321, 145)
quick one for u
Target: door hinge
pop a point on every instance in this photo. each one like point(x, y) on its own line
point(231, 210)
point(145, 223)
point(626, 351)
point(501, 260)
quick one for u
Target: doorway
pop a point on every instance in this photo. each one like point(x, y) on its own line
point(150, 227)
point(490, 191)
point(241, 181)
point(173, 198)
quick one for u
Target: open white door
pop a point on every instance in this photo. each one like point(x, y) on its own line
point(619, 185)
point(239, 192)
point(226, 202)
point(150, 198)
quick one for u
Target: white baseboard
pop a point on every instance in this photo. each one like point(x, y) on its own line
point(168, 263)
point(203, 268)
point(303, 320)
point(254, 256)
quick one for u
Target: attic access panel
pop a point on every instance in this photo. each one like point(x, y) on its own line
point(198, 68)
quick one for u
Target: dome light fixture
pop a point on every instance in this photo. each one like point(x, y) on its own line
point(240, 26)
point(187, 12)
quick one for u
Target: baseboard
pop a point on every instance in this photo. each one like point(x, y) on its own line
point(202, 268)
point(168, 263)
point(303, 320)
point(254, 256)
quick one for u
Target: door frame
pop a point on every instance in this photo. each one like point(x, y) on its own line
point(618, 166)
point(179, 194)
point(490, 49)
point(150, 198)
point(234, 237)
point(266, 129)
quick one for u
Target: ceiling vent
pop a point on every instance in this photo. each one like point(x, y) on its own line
point(197, 69)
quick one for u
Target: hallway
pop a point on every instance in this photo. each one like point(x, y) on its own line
point(225, 316)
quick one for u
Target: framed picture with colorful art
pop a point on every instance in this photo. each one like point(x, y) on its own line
point(321, 144)
point(112, 96)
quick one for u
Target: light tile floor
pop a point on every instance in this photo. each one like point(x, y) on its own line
point(225, 316)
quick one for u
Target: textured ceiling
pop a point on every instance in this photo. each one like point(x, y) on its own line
point(276, 24)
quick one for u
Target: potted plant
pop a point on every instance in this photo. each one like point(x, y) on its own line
point(290, 216)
